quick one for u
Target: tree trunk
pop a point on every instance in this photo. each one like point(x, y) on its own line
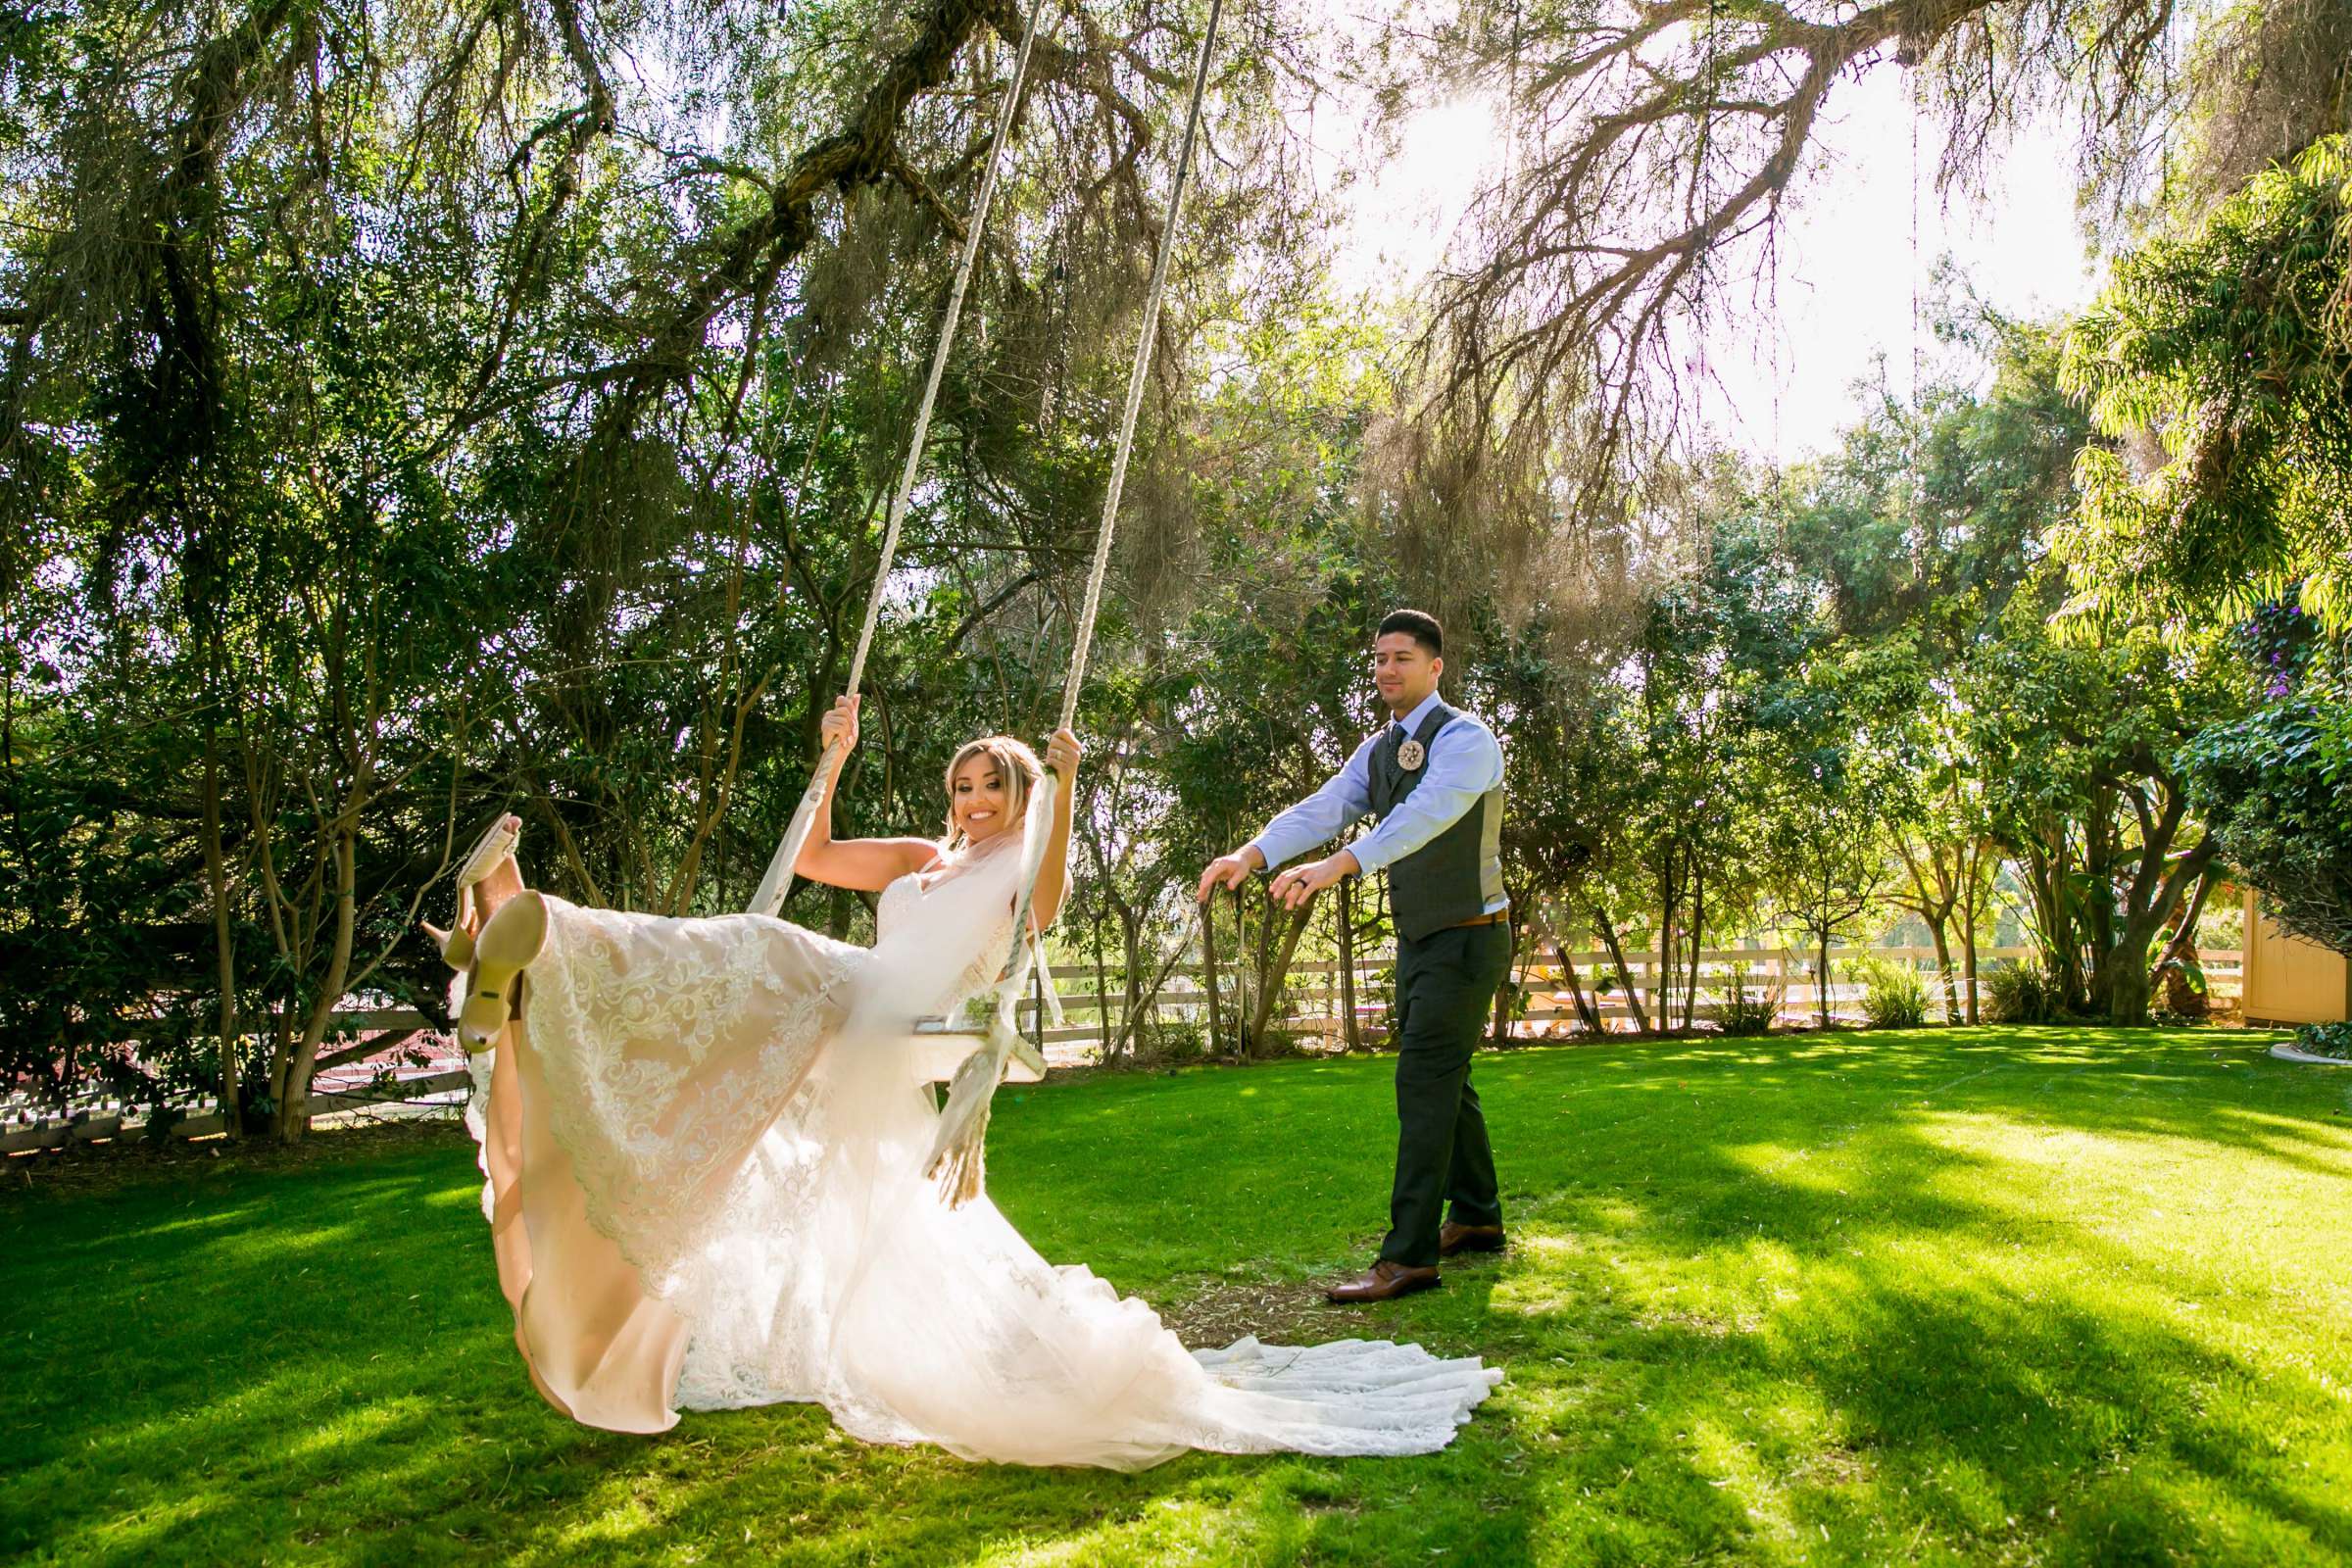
point(293, 1110)
point(225, 942)
point(1242, 963)
point(1669, 905)
point(1821, 980)
point(1968, 959)
point(1585, 1007)
point(2127, 983)
point(2185, 936)
point(1943, 970)
point(1625, 976)
point(1131, 939)
point(2100, 855)
point(1270, 982)
point(1498, 1031)
point(1345, 946)
point(1102, 992)
point(1663, 1001)
point(1208, 975)
point(1698, 927)
point(2125, 964)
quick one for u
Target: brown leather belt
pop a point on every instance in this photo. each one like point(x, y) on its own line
point(1496, 919)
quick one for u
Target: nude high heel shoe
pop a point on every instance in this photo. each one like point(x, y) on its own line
point(489, 862)
point(506, 947)
point(490, 966)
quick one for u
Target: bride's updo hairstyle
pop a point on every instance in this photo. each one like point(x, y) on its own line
point(1017, 764)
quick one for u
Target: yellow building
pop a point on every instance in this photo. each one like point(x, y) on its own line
point(2288, 980)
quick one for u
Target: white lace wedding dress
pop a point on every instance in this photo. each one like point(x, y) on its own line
point(703, 1141)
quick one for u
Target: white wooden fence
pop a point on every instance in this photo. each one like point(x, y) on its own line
point(365, 1083)
point(1313, 995)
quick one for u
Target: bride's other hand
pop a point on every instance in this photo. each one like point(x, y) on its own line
point(840, 726)
point(1062, 752)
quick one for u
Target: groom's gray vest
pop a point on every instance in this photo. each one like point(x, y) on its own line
point(1455, 876)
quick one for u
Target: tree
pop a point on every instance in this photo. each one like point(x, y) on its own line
point(1655, 143)
point(1828, 860)
point(2080, 753)
point(2274, 783)
point(2218, 359)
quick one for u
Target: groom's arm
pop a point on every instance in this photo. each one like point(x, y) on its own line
point(1345, 797)
point(1464, 763)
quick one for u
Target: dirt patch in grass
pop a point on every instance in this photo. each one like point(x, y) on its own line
point(1707, 1325)
point(1279, 1312)
point(1833, 1466)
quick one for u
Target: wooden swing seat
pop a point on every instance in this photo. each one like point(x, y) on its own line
point(936, 1048)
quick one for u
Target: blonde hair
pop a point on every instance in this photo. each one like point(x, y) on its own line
point(1017, 764)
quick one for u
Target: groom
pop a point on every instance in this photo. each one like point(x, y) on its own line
point(1434, 778)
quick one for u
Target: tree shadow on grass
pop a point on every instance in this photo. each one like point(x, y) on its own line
point(2208, 1085)
point(1885, 1353)
point(319, 1366)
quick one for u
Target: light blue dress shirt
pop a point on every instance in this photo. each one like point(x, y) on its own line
point(1464, 763)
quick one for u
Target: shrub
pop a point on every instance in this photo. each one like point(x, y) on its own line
point(1744, 1015)
point(1893, 996)
point(2019, 993)
point(1170, 1043)
point(1280, 1039)
point(2325, 1040)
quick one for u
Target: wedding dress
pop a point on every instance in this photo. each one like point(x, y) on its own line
point(703, 1141)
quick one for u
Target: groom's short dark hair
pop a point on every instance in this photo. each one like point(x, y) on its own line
point(1417, 625)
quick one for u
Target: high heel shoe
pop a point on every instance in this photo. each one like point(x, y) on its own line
point(488, 854)
point(456, 948)
point(506, 947)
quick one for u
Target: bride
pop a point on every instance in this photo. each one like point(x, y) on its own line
point(704, 1142)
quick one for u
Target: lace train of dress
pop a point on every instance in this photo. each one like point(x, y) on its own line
point(703, 1142)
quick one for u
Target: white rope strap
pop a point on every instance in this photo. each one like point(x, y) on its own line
point(955, 1153)
point(1084, 638)
point(777, 881)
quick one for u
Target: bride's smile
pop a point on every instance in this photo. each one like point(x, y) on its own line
point(978, 800)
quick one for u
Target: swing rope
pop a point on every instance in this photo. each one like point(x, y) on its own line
point(955, 1158)
point(777, 882)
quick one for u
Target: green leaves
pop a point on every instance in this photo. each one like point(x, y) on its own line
point(2278, 787)
point(2221, 361)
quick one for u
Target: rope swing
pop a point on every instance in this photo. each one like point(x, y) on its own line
point(955, 1158)
point(777, 882)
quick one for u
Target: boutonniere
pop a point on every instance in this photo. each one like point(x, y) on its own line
point(1411, 755)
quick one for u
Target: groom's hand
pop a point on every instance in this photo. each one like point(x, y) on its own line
point(1230, 870)
point(1301, 883)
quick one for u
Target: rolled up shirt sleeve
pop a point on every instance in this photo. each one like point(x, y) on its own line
point(1345, 797)
point(1465, 761)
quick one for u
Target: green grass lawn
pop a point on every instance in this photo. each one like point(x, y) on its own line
point(1989, 1296)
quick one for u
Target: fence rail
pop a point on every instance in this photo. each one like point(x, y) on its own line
point(1549, 1001)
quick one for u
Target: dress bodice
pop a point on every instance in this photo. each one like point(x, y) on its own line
point(899, 916)
point(898, 904)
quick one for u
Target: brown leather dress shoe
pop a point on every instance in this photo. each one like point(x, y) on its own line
point(1384, 1283)
point(1452, 1239)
